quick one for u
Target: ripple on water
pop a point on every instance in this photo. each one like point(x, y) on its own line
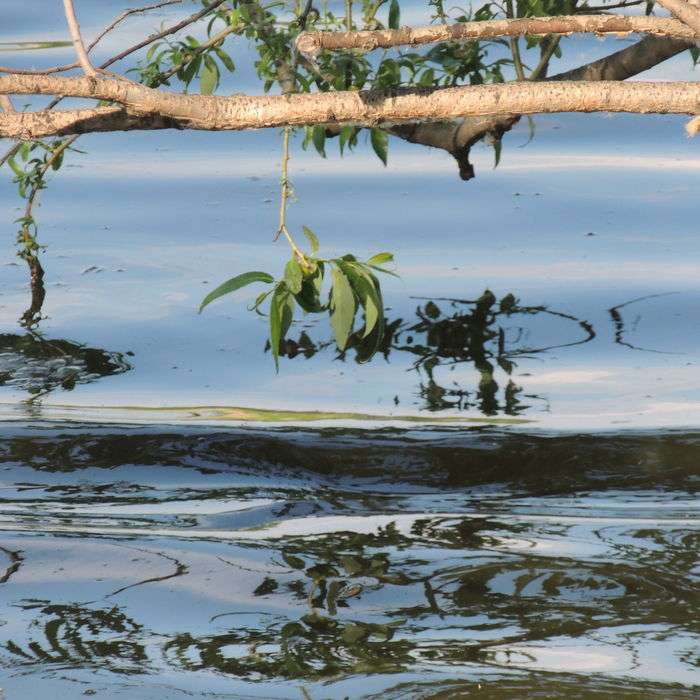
point(358, 565)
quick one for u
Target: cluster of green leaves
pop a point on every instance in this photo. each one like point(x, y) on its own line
point(186, 60)
point(352, 284)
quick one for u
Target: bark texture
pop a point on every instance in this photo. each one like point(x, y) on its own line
point(312, 43)
point(687, 12)
point(366, 108)
point(458, 137)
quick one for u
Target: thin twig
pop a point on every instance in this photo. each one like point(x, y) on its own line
point(6, 104)
point(126, 52)
point(514, 43)
point(74, 29)
point(540, 70)
point(133, 11)
point(585, 9)
point(165, 32)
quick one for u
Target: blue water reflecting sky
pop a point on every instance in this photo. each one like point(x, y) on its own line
point(162, 217)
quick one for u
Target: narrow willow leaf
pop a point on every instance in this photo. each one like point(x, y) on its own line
point(319, 139)
point(259, 300)
point(191, 70)
point(366, 287)
point(380, 259)
point(394, 14)
point(293, 276)
point(15, 168)
point(234, 284)
point(275, 326)
point(281, 317)
point(312, 238)
point(384, 271)
point(287, 315)
point(225, 59)
point(343, 307)
point(380, 144)
point(310, 296)
point(344, 137)
point(497, 145)
point(209, 78)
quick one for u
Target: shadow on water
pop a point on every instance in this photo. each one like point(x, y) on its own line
point(427, 564)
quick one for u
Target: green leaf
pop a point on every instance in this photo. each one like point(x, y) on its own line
point(365, 285)
point(15, 168)
point(312, 238)
point(345, 136)
point(58, 161)
point(209, 78)
point(497, 145)
point(281, 316)
point(380, 259)
point(319, 139)
point(343, 307)
point(310, 296)
point(225, 59)
point(293, 276)
point(259, 300)
point(190, 71)
point(394, 14)
point(234, 284)
point(380, 144)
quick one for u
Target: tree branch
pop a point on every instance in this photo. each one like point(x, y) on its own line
point(687, 12)
point(312, 43)
point(6, 104)
point(364, 108)
point(457, 138)
point(126, 52)
point(127, 13)
point(74, 29)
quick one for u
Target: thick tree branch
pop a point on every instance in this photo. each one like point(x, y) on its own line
point(687, 12)
point(457, 138)
point(365, 108)
point(312, 43)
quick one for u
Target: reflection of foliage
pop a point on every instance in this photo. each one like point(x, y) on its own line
point(475, 333)
point(435, 592)
point(37, 365)
point(76, 635)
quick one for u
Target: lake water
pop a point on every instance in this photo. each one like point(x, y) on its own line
point(502, 503)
